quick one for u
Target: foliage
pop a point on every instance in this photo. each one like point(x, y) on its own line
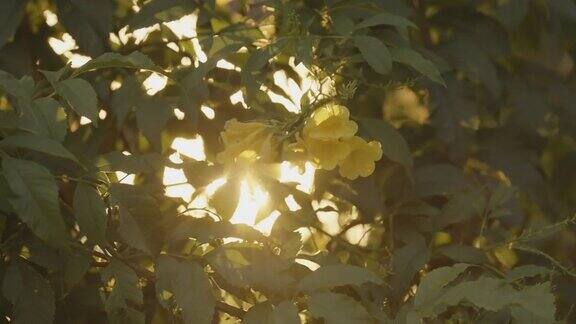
point(441, 131)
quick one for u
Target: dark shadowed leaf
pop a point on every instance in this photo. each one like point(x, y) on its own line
point(394, 146)
point(140, 217)
point(90, 23)
point(47, 118)
point(190, 287)
point(143, 163)
point(11, 12)
point(29, 292)
point(35, 199)
point(375, 53)
point(90, 212)
point(156, 11)
point(337, 309)
point(152, 115)
point(408, 260)
point(124, 294)
point(39, 144)
point(417, 62)
point(337, 275)
point(134, 60)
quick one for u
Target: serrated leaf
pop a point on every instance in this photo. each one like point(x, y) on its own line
point(337, 275)
point(124, 293)
point(21, 89)
point(78, 93)
point(90, 212)
point(134, 60)
point(39, 144)
point(337, 309)
point(29, 293)
point(375, 53)
point(439, 179)
point(90, 23)
point(47, 118)
point(286, 313)
point(259, 314)
point(385, 18)
point(125, 99)
point(11, 12)
point(417, 62)
point(139, 217)
point(408, 260)
point(152, 115)
point(142, 163)
point(527, 271)
point(265, 313)
point(190, 286)
point(205, 230)
point(461, 207)
point(156, 11)
point(35, 199)
point(463, 253)
point(226, 198)
point(431, 285)
point(394, 146)
point(75, 268)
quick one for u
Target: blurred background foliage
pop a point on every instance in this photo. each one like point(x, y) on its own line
point(467, 218)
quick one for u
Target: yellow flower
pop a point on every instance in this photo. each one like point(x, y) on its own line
point(330, 122)
point(247, 142)
point(360, 161)
point(326, 153)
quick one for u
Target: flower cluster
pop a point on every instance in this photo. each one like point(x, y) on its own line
point(328, 139)
point(247, 142)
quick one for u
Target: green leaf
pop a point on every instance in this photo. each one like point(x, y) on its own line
point(265, 313)
point(408, 261)
point(152, 114)
point(259, 314)
point(124, 293)
point(537, 304)
point(286, 313)
point(140, 217)
point(431, 285)
point(90, 23)
point(385, 18)
point(394, 146)
point(142, 163)
point(463, 253)
point(226, 198)
point(134, 60)
point(39, 144)
point(11, 12)
point(461, 207)
point(75, 268)
point(206, 230)
point(337, 275)
point(22, 90)
point(125, 99)
point(36, 199)
point(190, 286)
point(47, 118)
point(375, 53)
point(78, 93)
point(90, 212)
point(337, 309)
point(29, 292)
point(439, 179)
point(158, 11)
point(416, 61)
point(527, 271)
